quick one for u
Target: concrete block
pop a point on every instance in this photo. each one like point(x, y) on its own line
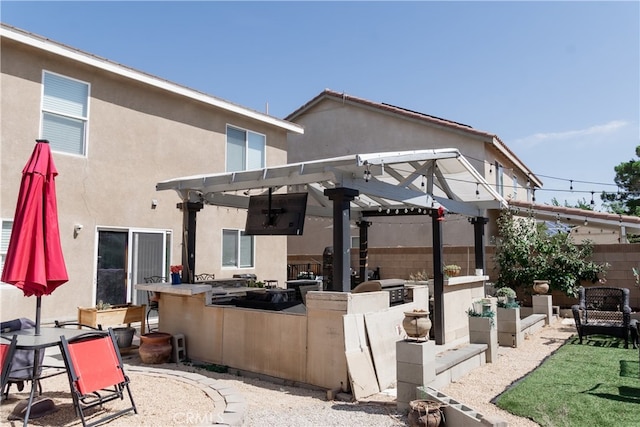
point(416, 373)
point(506, 339)
point(542, 304)
point(416, 352)
point(405, 391)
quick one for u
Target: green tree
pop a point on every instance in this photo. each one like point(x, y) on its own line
point(525, 252)
point(626, 201)
point(580, 204)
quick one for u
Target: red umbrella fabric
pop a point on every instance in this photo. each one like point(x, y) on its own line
point(34, 261)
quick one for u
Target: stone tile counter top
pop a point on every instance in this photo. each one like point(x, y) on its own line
point(182, 289)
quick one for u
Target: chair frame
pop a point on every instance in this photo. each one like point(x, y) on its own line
point(59, 324)
point(7, 362)
point(204, 277)
point(88, 378)
point(152, 305)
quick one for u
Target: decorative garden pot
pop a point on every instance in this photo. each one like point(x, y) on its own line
point(175, 279)
point(124, 336)
point(540, 286)
point(425, 413)
point(417, 324)
point(155, 347)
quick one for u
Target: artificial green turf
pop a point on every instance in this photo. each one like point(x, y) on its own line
point(595, 384)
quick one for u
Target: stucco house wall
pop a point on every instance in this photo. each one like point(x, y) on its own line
point(138, 134)
point(337, 124)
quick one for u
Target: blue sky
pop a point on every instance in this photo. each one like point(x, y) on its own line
point(558, 82)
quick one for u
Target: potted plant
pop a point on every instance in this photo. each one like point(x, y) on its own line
point(506, 295)
point(175, 274)
point(484, 312)
point(451, 270)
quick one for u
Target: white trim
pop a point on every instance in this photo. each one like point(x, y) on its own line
point(76, 55)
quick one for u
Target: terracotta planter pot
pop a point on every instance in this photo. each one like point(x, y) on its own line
point(540, 286)
point(155, 347)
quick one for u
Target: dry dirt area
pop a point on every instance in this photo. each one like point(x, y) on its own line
point(170, 402)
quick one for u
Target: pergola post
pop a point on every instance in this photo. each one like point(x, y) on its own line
point(438, 279)
point(364, 225)
point(478, 237)
point(341, 198)
point(189, 211)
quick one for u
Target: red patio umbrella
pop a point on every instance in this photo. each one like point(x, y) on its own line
point(34, 260)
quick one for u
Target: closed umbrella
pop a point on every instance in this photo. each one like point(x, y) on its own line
point(34, 261)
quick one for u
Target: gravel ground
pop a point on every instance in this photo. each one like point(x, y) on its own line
point(169, 402)
point(480, 386)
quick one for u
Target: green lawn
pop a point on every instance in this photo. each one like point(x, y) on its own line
point(594, 384)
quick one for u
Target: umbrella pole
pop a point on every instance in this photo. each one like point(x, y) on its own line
point(38, 301)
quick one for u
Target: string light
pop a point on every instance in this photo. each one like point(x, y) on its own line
point(571, 186)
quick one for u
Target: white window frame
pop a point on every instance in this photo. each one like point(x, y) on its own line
point(239, 234)
point(4, 245)
point(84, 119)
point(515, 187)
point(247, 149)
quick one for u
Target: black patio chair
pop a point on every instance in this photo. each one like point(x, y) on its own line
point(59, 324)
point(153, 304)
point(603, 311)
point(23, 360)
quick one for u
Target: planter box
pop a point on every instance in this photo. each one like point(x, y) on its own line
point(114, 316)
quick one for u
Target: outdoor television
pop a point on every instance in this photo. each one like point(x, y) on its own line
point(276, 214)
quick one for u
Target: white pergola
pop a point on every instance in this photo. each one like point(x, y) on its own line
point(424, 179)
point(354, 187)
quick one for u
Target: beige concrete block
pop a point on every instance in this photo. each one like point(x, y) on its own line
point(333, 301)
point(509, 326)
point(368, 302)
point(406, 391)
point(416, 373)
point(510, 340)
point(416, 352)
point(480, 324)
point(543, 304)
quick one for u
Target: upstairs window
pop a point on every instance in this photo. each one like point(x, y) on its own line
point(65, 113)
point(500, 179)
point(245, 149)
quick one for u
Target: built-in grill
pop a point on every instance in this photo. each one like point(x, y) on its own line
point(395, 287)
